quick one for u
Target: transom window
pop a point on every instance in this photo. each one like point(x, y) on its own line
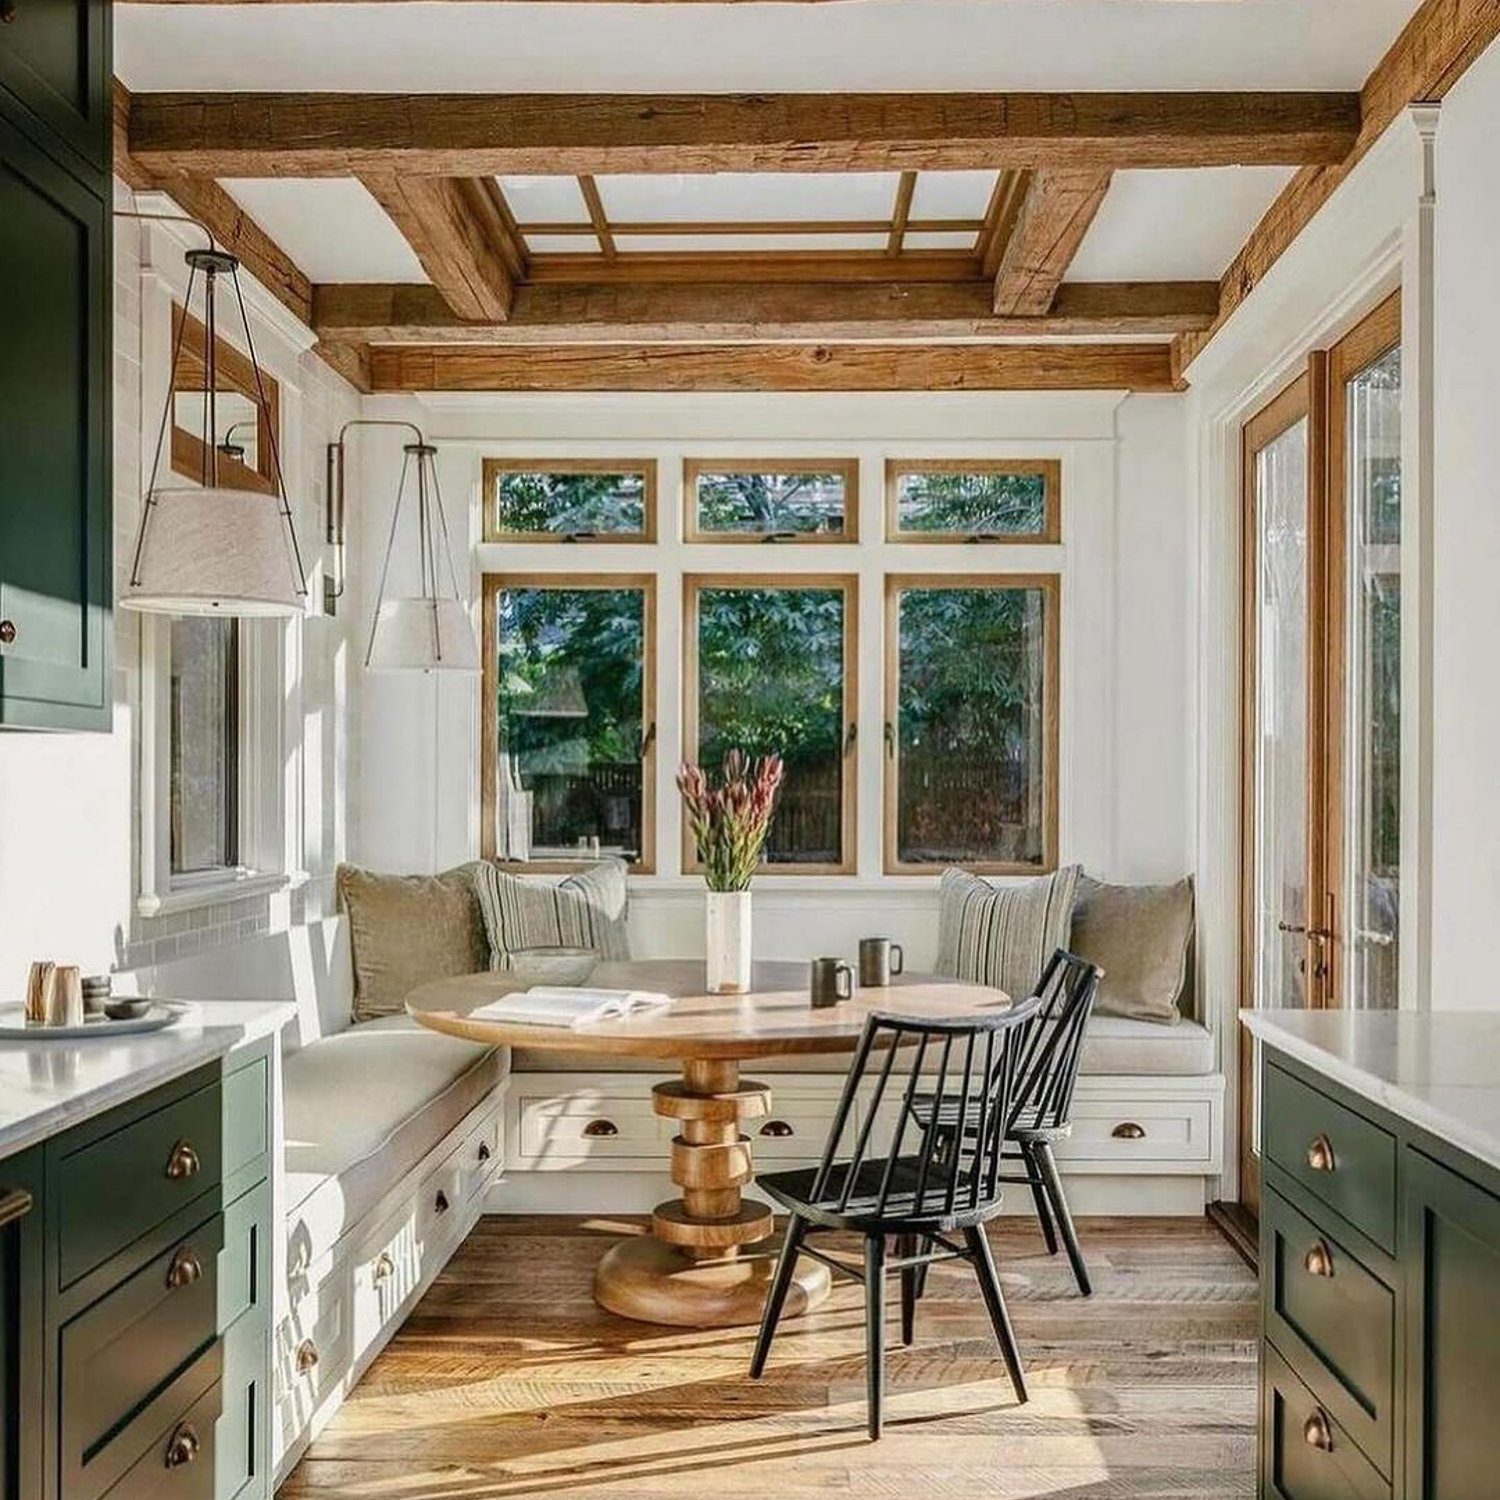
point(561, 500)
point(758, 500)
point(973, 500)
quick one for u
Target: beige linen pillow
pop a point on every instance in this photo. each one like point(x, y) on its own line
point(407, 929)
point(1003, 934)
point(1139, 935)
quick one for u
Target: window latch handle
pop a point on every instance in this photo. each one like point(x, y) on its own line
point(580, 536)
point(890, 739)
point(851, 734)
point(648, 739)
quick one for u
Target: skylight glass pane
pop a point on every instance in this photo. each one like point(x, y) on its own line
point(579, 498)
point(746, 197)
point(778, 500)
point(1000, 500)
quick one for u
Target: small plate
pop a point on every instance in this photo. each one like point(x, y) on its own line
point(163, 1013)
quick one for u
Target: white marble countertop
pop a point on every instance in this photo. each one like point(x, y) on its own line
point(47, 1086)
point(1440, 1071)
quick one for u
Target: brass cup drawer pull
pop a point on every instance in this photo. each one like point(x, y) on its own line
point(777, 1130)
point(1320, 1157)
point(1319, 1260)
point(440, 1203)
point(15, 1203)
point(599, 1128)
point(1317, 1432)
point(1128, 1130)
point(307, 1356)
point(385, 1268)
point(183, 1162)
point(7, 627)
point(182, 1446)
point(186, 1268)
point(484, 1151)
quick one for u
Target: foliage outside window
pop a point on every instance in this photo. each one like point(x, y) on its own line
point(971, 734)
point(770, 669)
point(568, 747)
point(558, 500)
point(204, 754)
point(791, 500)
point(973, 500)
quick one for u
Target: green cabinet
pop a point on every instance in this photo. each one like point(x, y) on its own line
point(1380, 1303)
point(22, 1388)
point(55, 366)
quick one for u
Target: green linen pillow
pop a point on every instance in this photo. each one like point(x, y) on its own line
point(1003, 934)
point(407, 929)
point(1140, 936)
point(587, 910)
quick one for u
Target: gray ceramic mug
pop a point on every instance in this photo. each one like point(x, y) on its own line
point(832, 981)
point(879, 959)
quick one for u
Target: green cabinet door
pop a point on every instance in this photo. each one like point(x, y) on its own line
point(22, 1331)
point(54, 444)
point(1451, 1262)
point(55, 61)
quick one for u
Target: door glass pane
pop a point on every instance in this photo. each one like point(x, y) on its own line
point(204, 656)
point(1281, 719)
point(1373, 861)
point(571, 675)
point(771, 679)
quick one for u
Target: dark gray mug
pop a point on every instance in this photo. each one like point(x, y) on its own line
point(879, 959)
point(832, 981)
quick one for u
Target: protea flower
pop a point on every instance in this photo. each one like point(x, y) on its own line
point(729, 823)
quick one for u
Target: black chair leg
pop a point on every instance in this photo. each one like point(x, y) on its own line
point(1039, 1197)
point(906, 1247)
point(919, 1285)
point(994, 1299)
point(796, 1231)
point(1053, 1182)
point(875, 1329)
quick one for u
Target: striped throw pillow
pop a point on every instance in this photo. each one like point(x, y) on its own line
point(1003, 934)
point(586, 910)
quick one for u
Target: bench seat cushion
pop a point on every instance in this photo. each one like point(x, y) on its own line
point(1112, 1046)
point(362, 1108)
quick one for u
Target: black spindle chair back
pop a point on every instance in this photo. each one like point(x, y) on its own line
point(1047, 1068)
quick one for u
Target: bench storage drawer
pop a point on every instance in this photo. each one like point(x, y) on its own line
point(1340, 1157)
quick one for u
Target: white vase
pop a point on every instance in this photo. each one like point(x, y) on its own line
point(727, 930)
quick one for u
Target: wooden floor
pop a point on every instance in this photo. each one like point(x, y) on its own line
point(508, 1381)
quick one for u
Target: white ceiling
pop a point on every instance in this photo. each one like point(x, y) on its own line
point(1182, 225)
point(877, 44)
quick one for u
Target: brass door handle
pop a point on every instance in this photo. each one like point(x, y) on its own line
point(1319, 1260)
point(182, 1446)
point(777, 1129)
point(440, 1203)
point(183, 1162)
point(1317, 1433)
point(307, 1356)
point(598, 1128)
point(1320, 1155)
point(385, 1268)
point(1128, 1130)
point(186, 1268)
point(15, 1204)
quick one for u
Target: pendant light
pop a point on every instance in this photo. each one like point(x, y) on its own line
point(426, 631)
point(207, 550)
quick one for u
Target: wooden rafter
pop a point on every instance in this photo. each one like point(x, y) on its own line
point(474, 135)
point(1439, 42)
point(901, 213)
point(684, 267)
point(776, 367)
point(1000, 218)
point(568, 313)
point(1053, 217)
point(456, 230)
point(598, 219)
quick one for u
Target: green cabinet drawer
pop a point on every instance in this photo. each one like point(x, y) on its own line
point(121, 1354)
point(1305, 1453)
point(1340, 1157)
point(247, 1126)
point(1335, 1318)
point(119, 1186)
point(179, 1464)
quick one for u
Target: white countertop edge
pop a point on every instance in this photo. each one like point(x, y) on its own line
point(1440, 1119)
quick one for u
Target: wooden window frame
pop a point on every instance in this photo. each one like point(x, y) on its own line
point(492, 585)
point(1049, 468)
point(693, 469)
point(693, 585)
point(1050, 585)
point(645, 467)
point(235, 372)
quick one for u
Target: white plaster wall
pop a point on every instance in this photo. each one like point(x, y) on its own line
point(68, 801)
point(1466, 545)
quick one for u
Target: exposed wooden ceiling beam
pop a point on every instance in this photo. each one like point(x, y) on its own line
point(1053, 217)
point(768, 312)
point(1432, 52)
point(459, 235)
point(777, 367)
point(683, 267)
point(475, 135)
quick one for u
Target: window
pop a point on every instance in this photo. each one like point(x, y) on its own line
point(784, 500)
point(770, 666)
point(568, 730)
point(205, 746)
point(563, 500)
point(971, 730)
point(973, 500)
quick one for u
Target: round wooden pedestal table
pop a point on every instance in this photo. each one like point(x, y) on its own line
point(706, 1263)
